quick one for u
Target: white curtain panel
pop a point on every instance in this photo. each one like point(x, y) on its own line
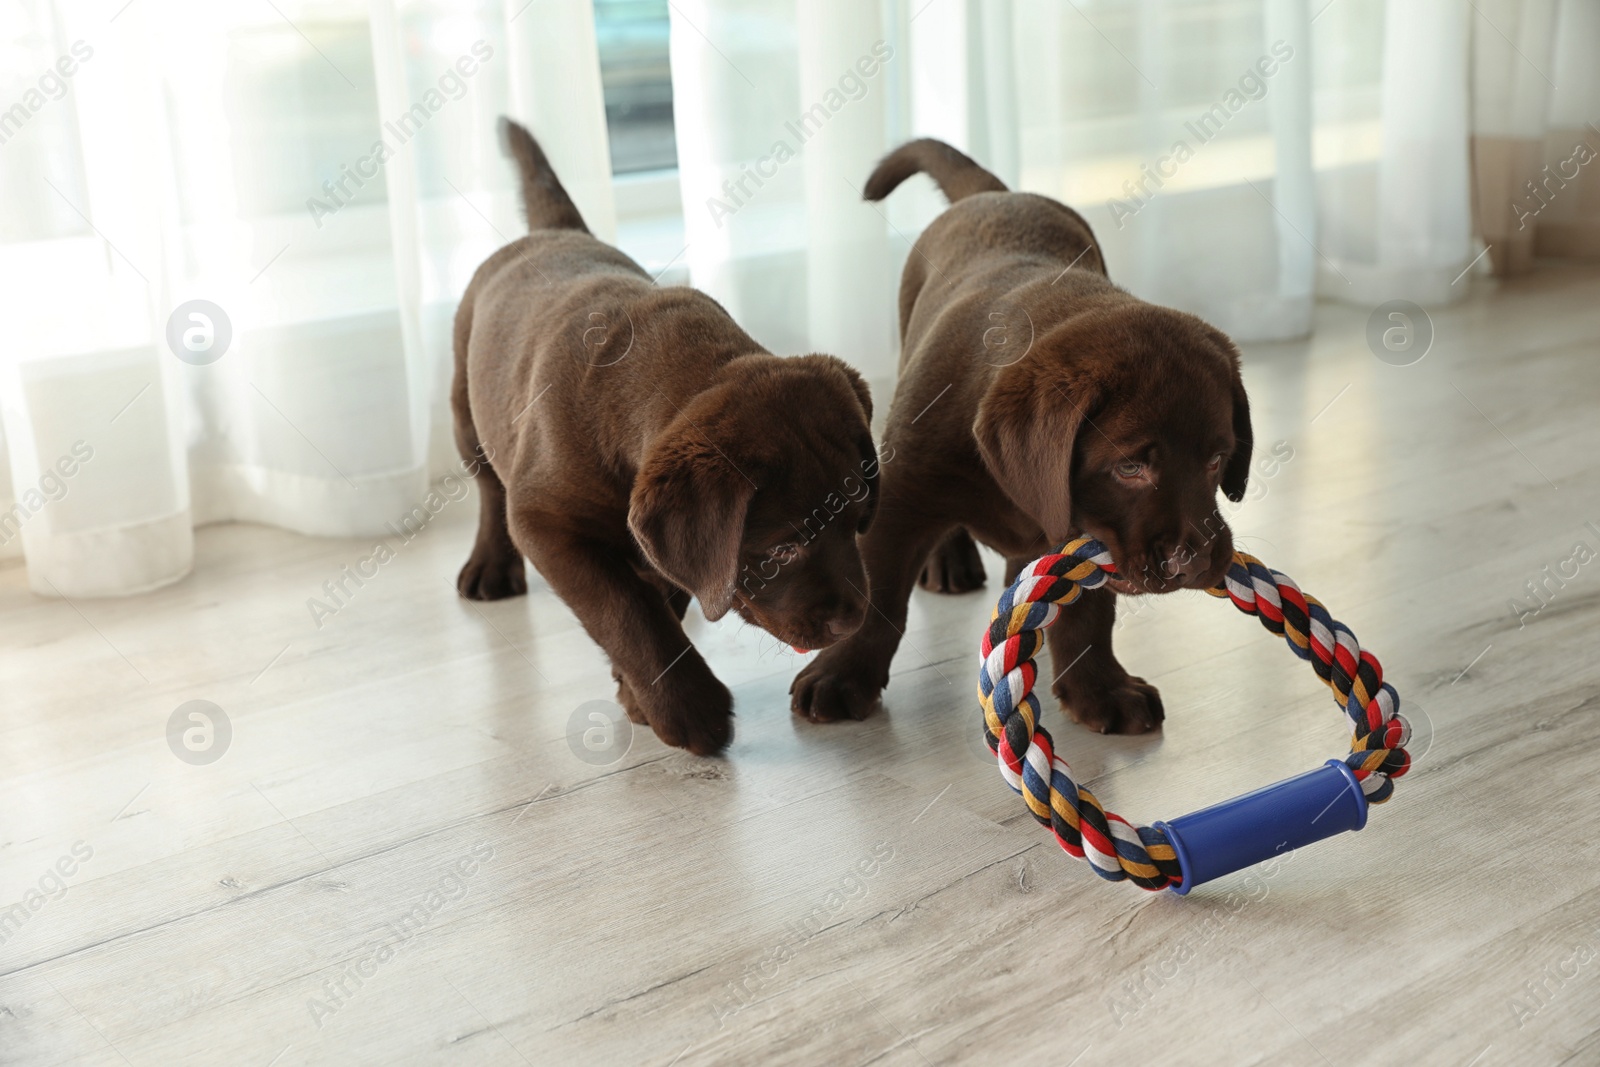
point(1572, 228)
point(1237, 160)
point(1182, 131)
point(780, 112)
point(1536, 105)
point(324, 177)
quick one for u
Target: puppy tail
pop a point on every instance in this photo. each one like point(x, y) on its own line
point(956, 173)
point(544, 201)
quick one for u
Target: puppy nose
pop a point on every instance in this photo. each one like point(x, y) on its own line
point(1180, 561)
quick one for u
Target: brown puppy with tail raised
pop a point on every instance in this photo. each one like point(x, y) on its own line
point(1038, 401)
point(642, 448)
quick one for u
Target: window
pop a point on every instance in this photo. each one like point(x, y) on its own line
point(637, 80)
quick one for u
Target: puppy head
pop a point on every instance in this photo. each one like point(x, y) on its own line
point(753, 497)
point(1124, 427)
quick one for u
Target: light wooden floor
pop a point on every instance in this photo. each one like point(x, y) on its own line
point(866, 893)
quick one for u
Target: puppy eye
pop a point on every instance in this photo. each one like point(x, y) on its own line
point(784, 553)
point(1129, 469)
point(1215, 464)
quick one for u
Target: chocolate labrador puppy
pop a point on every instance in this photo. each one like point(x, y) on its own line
point(1037, 402)
point(641, 448)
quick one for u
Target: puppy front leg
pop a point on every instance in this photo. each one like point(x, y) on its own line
point(678, 601)
point(846, 679)
point(1092, 686)
point(668, 683)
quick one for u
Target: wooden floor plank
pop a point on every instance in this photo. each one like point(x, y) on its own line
point(661, 908)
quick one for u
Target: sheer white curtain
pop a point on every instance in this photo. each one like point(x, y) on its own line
point(1535, 137)
point(1237, 160)
point(780, 111)
point(1182, 132)
point(325, 173)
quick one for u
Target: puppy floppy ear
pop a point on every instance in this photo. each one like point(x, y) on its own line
point(864, 446)
point(1236, 475)
point(687, 513)
point(1027, 429)
point(859, 386)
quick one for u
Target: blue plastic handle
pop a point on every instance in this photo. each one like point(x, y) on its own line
point(1268, 822)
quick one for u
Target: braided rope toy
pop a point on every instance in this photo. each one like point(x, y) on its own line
point(1223, 838)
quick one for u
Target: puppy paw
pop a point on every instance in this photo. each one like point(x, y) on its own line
point(954, 566)
point(705, 734)
point(488, 576)
point(828, 691)
point(1131, 706)
point(699, 718)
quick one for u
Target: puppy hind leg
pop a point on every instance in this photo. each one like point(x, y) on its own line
point(629, 702)
point(494, 570)
point(954, 565)
point(677, 599)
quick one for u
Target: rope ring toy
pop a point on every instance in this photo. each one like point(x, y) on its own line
point(1226, 837)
